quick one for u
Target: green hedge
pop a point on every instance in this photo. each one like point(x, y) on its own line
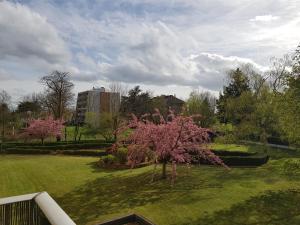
point(13, 144)
point(61, 147)
point(83, 152)
point(253, 160)
point(28, 151)
point(257, 160)
point(63, 152)
point(232, 153)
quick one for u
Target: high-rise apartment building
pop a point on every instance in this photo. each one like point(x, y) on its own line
point(96, 100)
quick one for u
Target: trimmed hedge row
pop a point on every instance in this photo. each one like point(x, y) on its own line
point(27, 151)
point(59, 143)
point(253, 160)
point(245, 161)
point(55, 143)
point(62, 152)
point(232, 153)
point(83, 152)
point(61, 147)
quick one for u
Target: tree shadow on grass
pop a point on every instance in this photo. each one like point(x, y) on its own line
point(117, 193)
point(269, 173)
point(271, 208)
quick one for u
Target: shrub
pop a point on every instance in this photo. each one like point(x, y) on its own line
point(121, 155)
point(291, 167)
point(277, 140)
point(107, 160)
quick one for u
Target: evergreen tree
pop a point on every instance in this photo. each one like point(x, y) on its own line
point(137, 102)
point(238, 83)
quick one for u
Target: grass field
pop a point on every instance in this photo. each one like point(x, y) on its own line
point(230, 147)
point(202, 195)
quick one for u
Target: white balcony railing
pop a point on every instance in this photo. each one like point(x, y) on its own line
point(32, 209)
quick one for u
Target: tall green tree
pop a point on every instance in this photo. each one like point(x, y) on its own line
point(100, 123)
point(137, 102)
point(288, 104)
point(30, 104)
point(238, 84)
point(202, 103)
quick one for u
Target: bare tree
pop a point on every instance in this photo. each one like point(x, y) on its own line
point(279, 72)
point(118, 87)
point(5, 98)
point(296, 62)
point(115, 103)
point(256, 80)
point(58, 94)
point(4, 110)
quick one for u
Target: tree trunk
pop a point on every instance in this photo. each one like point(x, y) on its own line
point(42, 139)
point(3, 125)
point(76, 132)
point(164, 170)
point(58, 138)
point(65, 133)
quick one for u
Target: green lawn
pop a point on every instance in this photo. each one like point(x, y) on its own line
point(230, 147)
point(202, 195)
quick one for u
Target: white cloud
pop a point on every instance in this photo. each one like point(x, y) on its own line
point(26, 34)
point(179, 44)
point(264, 18)
point(4, 75)
point(158, 57)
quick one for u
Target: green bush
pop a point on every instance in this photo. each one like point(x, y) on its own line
point(121, 155)
point(108, 160)
point(291, 167)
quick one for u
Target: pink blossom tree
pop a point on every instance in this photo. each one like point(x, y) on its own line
point(176, 139)
point(41, 129)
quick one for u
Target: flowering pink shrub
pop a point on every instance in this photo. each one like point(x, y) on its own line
point(42, 129)
point(172, 140)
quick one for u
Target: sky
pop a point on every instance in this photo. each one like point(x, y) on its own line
point(166, 46)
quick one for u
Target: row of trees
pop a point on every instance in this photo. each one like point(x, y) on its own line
point(263, 106)
point(251, 106)
point(55, 101)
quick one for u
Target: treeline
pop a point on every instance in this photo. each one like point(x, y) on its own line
point(55, 101)
point(262, 107)
point(252, 106)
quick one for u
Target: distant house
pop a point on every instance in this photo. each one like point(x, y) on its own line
point(171, 102)
point(96, 100)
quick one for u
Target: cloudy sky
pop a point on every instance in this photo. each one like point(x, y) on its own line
point(167, 46)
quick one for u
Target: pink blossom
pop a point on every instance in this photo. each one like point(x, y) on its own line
point(172, 140)
point(42, 129)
